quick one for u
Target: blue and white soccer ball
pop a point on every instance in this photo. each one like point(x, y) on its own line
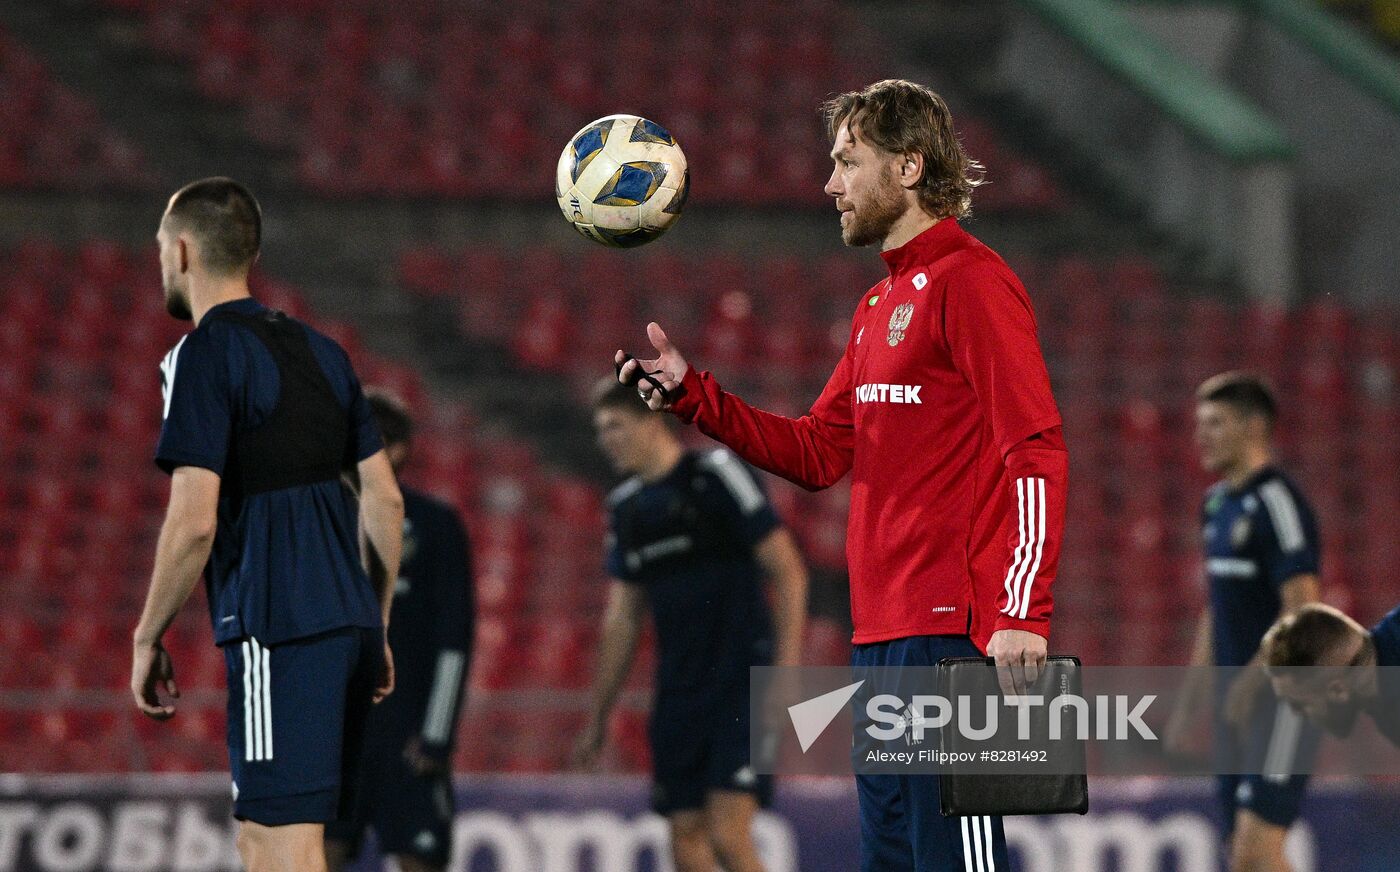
point(622, 181)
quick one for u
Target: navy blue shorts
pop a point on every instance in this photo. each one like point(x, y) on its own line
point(1279, 743)
point(410, 814)
point(902, 827)
point(296, 716)
point(699, 745)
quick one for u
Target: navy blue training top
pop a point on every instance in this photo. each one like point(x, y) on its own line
point(1257, 537)
point(430, 634)
point(689, 539)
point(1386, 709)
point(285, 563)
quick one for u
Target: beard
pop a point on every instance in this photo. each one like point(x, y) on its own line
point(176, 303)
point(871, 223)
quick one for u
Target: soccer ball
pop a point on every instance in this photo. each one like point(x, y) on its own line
point(622, 181)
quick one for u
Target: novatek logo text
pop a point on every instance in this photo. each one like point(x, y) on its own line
point(889, 394)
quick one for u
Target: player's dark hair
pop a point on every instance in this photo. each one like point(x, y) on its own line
point(1246, 392)
point(902, 118)
point(225, 217)
point(609, 393)
point(391, 415)
point(1307, 637)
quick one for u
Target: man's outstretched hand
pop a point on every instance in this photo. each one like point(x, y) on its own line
point(668, 368)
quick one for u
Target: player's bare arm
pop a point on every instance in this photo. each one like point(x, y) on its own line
point(181, 552)
point(617, 646)
point(381, 517)
point(782, 564)
point(1195, 693)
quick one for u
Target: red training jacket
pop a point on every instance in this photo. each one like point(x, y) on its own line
point(941, 410)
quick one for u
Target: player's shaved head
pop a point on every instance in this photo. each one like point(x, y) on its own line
point(902, 117)
point(391, 415)
point(395, 425)
point(1315, 635)
point(1247, 393)
point(609, 393)
point(225, 220)
point(1323, 664)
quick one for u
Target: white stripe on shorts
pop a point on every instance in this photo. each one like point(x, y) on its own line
point(267, 703)
point(247, 704)
point(256, 668)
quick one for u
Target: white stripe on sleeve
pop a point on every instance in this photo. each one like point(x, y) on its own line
point(167, 374)
point(1030, 498)
point(1283, 512)
point(447, 684)
point(1037, 485)
point(736, 480)
point(1283, 745)
point(1019, 553)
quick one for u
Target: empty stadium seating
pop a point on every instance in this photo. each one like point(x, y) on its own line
point(52, 137)
point(402, 103)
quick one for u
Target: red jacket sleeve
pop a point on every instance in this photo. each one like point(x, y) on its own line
point(991, 334)
point(1038, 475)
point(813, 451)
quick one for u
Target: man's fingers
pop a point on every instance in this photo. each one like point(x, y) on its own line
point(1034, 666)
point(1008, 686)
point(659, 340)
point(655, 399)
point(1018, 675)
point(626, 375)
point(150, 706)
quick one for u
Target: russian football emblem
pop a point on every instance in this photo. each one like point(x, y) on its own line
point(899, 322)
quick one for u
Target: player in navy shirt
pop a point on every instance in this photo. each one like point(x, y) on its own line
point(1331, 669)
point(263, 416)
point(692, 537)
point(404, 790)
point(1261, 562)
